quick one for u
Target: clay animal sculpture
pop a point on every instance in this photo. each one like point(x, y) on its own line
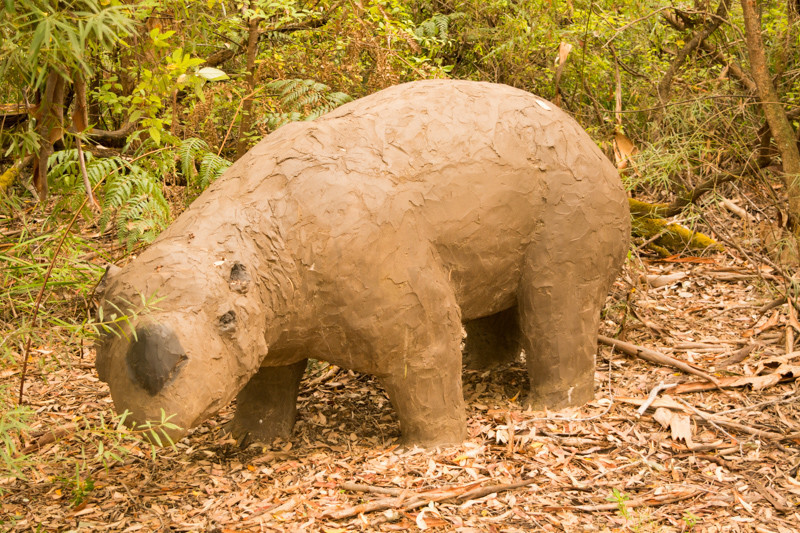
point(368, 238)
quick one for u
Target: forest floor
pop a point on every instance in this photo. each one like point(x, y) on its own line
point(729, 461)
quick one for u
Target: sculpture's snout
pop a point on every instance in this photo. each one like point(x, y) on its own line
point(154, 357)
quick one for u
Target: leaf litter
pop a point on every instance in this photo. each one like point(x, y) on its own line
point(696, 456)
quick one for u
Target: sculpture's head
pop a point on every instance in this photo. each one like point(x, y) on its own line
point(184, 339)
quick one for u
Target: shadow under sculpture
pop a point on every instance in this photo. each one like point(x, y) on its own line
point(368, 238)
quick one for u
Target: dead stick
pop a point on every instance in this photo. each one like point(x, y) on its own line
point(360, 487)
point(656, 357)
point(652, 397)
point(480, 492)
point(47, 438)
point(468, 492)
point(651, 501)
point(375, 505)
point(719, 421)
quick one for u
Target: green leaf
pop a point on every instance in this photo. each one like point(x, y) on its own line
point(155, 134)
point(38, 38)
point(212, 74)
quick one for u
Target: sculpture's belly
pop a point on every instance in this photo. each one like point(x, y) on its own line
point(481, 233)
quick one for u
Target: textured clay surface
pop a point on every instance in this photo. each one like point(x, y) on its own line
point(368, 238)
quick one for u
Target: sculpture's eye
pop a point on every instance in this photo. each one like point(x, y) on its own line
point(227, 322)
point(239, 278)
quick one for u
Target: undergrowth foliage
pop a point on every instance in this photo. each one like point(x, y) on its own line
point(194, 151)
point(301, 100)
point(131, 195)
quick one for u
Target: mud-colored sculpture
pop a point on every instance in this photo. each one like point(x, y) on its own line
point(368, 238)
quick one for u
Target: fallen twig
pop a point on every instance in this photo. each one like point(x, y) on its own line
point(409, 500)
point(47, 438)
point(480, 492)
point(406, 501)
point(653, 395)
point(360, 487)
point(656, 357)
point(647, 501)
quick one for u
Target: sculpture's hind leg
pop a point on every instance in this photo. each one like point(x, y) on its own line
point(267, 406)
point(492, 340)
point(566, 276)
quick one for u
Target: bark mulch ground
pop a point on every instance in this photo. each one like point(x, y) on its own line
point(697, 458)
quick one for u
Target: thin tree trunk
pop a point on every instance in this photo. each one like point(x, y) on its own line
point(49, 127)
point(781, 128)
point(80, 122)
point(247, 106)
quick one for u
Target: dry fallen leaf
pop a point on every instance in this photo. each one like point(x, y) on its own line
point(624, 149)
point(679, 424)
point(662, 280)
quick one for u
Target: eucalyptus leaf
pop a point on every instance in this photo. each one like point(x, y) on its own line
point(212, 74)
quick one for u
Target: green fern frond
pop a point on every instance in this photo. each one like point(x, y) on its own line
point(187, 152)
point(97, 169)
point(211, 167)
point(136, 201)
point(301, 100)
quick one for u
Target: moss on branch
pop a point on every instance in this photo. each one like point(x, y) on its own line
point(667, 238)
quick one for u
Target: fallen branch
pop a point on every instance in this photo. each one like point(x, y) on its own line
point(653, 395)
point(480, 492)
point(360, 487)
point(405, 500)
point(656, 357)
point(115, 138)
point(662, 236)
point(7, 178)
point(647, 501)
point(693, 196)
point(47, 438)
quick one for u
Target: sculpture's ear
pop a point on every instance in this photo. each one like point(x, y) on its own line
point(102, 285)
